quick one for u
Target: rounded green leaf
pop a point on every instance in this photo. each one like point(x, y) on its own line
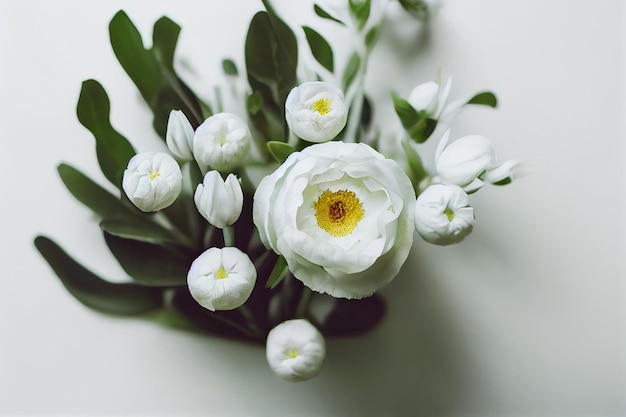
point(320, 48)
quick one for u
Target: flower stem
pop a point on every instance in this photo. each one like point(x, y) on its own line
point(229, 236)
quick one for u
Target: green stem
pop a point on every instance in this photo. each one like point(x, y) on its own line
point(248, 332)
point(229, 236)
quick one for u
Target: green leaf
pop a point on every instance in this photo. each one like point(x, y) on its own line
point(418, 173)
point(164, 38)
point(113, 150)
point(407, 114)
point(279, 150)
point(422, 129)
point(94, 292)
point(92, 195)
point(372, 37)
point(229, 67)
point(149, 264)
point(138, 229)
point(320, 48)
point(279, 272)
point(360, 10)
point(486, 98)
point(324, 14)
point(139, 63)
point(353, 317)
point(352, 68)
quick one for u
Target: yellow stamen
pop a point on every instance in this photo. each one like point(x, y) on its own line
point(449, 213)
point(322, 106)
point(339, 212)
point(222, 140)
point(291, 353)
point(154, 174)
point(221, 273)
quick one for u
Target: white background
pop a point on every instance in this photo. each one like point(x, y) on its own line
point(525, 318)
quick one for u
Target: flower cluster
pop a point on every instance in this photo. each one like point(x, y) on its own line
point(242, 255)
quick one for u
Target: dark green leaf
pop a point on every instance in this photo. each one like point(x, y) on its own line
point(371, 37)
point(486, 98)
point(93, 291)
point(353, 317)
point(140, 64)
point(278, 273)
point(422, 129)
point(164, 38)
point(113, 150)
point(324, 14)
point(229, 67)
point(280, 150)
point(320, 48)
point(407, 114)
point(103, 203)
point(418, 173)
point(366, 113)
point(352, 68)
point(149, 264)
point(360, 10)
point(138, 229)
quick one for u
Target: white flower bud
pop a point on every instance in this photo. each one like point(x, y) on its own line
point(443, 215)
point(315, 111)
point(222, 142)
point(430, 97)
point(219, 201)
point(295, 350)
point(463, 161)
point(179, 135)
point(152, 180)
point(501, 174)
point(221, 279)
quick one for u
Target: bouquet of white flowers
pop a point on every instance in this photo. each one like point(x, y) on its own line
point(276, 226)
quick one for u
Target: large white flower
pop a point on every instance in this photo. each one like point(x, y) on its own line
point(443, 215)
point(222, 142)
point(221, 279)
point(152, 180)
point(315, 111)
point(295, 350)
point(342, 216)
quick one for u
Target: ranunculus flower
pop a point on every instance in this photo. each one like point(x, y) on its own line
point(152, 181)
point(295, 350)
point(315, 111)
point(219, 201)
point(222, 142)
point(221, 279)
point(443, 215)
point(463, 161)
point(342, 216)
point(179, 135)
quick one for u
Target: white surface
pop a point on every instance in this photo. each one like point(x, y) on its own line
point(526, 318)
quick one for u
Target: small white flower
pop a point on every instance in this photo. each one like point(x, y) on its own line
point(179, 135)
point(221, 142)
point(463, 161)
point(152, 180)
point(221, 279)
point(315, 111)
point(431, 97)
point(295, 350)
point(443, 215)
point(219, 201)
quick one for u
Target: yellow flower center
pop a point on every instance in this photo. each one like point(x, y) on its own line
point(291, 353)
point(222, 140)
point(339, 212)
point(322, 106)
point(449, 213)
point(154, 174)
point(221, 273)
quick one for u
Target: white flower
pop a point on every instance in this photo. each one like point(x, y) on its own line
point(221, 142)
point(341, 215)
point(431, 98)
point(315, 111)
point(219, 201)
point(463, 161)
point(152, 180)
point(179, 135)
point(295, 350)
point(443, 215)
point(501, 174)
point(221, 279)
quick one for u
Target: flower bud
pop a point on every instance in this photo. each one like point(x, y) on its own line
point(152, 181)
point(430, 97)
point(463, 161)
point(442, 214)
point(179, 135)
point(315, 111)
point(221, 142)
point(221, 279)
point(219, 201)
point(501, 174)
point(295, 350)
